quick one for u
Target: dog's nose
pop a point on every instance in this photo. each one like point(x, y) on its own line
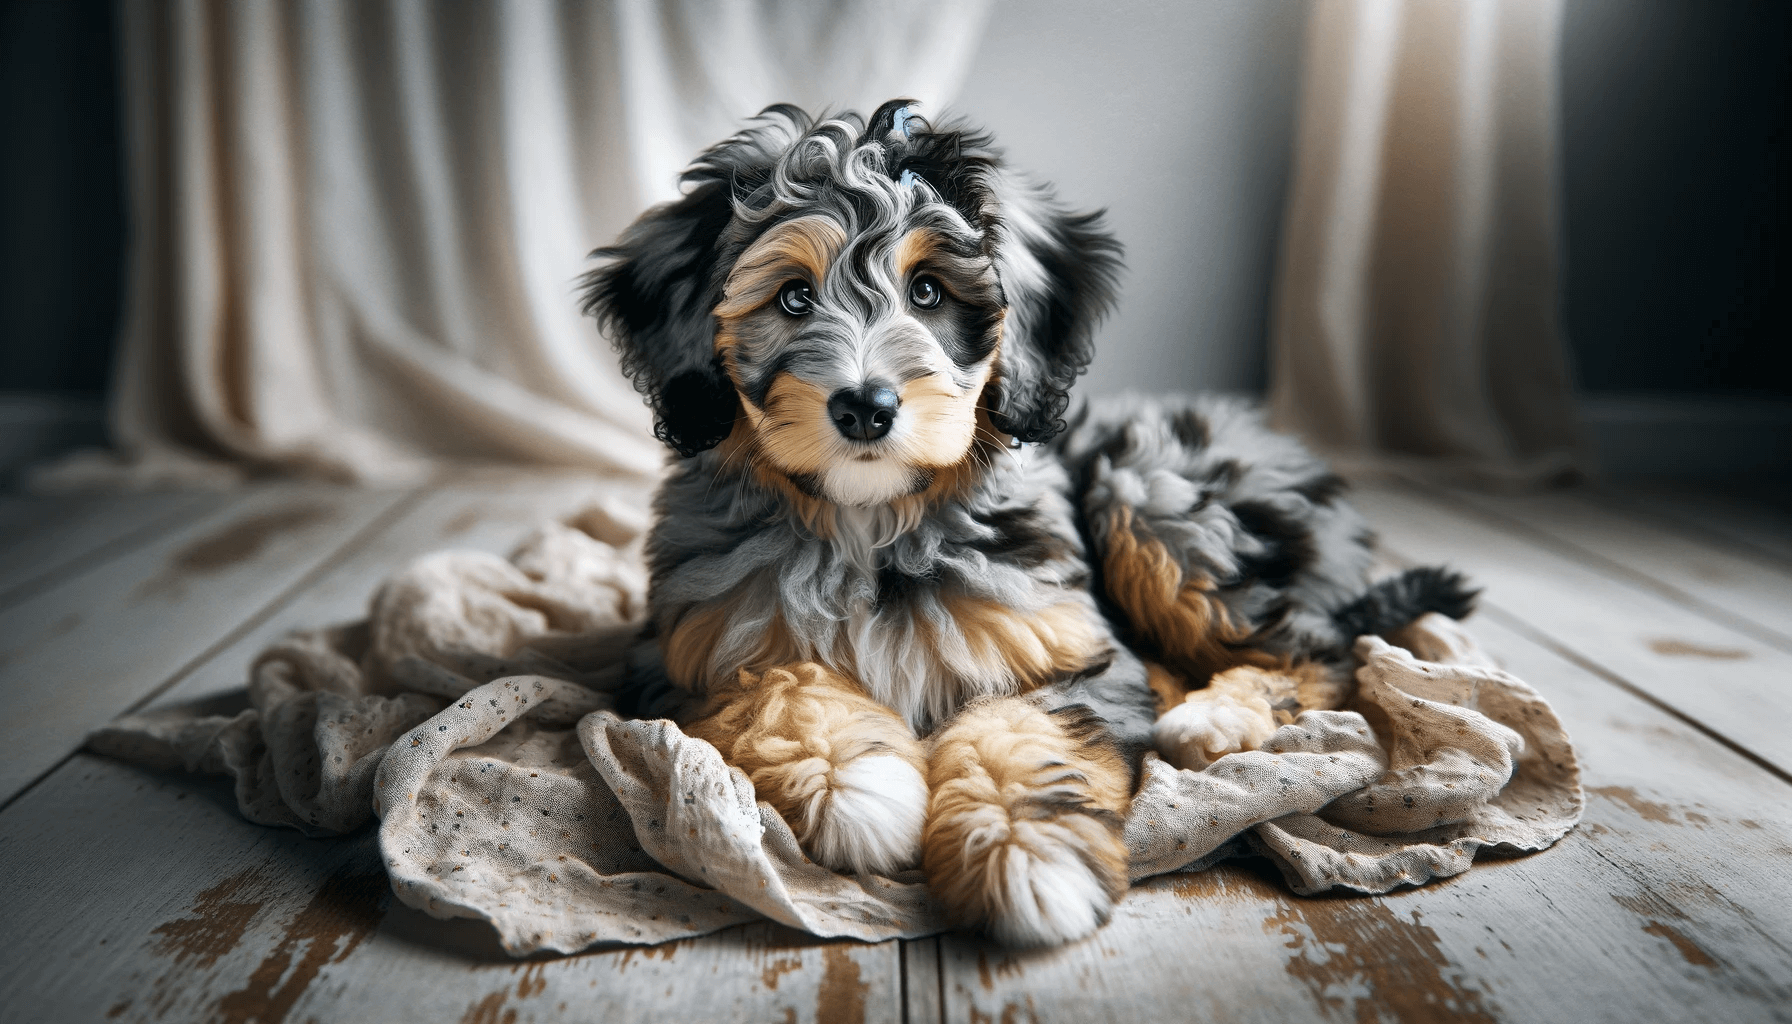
point(864, 413)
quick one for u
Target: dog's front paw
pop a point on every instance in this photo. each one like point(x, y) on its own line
point(1024, 832)
point(843, 770)
point(864, 816)
point(1028, 872)
point(1207, 726)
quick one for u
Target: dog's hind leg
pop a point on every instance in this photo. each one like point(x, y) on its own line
point(1219, 542)
point(1241, 707)
point(1024, 829)
point(1174, 609)
point(845, 771)
point(1216, 541)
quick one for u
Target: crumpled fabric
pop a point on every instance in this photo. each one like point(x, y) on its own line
point(472, 713)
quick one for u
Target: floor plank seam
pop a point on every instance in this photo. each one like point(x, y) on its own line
point(1636, 873)
point(1542, 639)
point(378, 525)
point(939, 972)
point(38, 778)
point(97, 556)
point(1609, 568)
point(902, 951)
point(1617, 502)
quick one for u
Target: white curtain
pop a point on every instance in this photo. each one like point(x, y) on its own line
point(1415, 317)
point(358, 223)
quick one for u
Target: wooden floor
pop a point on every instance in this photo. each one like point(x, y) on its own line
point(1659, 622)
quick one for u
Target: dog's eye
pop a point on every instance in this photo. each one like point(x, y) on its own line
point(924, 293)
point(795, 298)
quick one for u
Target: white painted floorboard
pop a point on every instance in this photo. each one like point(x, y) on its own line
point(102, 640)
point(84, 532)
point(1758, 526)
point(144, 897)
point(1731, 682)
point(1752, 595)
point(489, 513)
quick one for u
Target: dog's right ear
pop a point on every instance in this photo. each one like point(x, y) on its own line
point(655, 296)
point(653, 299)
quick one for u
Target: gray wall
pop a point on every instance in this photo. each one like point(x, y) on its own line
point(61, 196)
point(1176, 116)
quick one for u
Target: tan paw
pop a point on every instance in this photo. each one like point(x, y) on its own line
point(1029, 875)
point(1024, 833)
point(843, 770)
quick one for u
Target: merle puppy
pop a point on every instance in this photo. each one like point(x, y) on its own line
point(934, 622)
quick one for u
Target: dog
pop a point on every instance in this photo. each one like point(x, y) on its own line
point(935, 616)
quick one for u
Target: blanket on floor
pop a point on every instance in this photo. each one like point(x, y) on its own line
point(471, 712)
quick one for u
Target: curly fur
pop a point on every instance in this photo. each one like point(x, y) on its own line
point(822, 600)
point(662, 280)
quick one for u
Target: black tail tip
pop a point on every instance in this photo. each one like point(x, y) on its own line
point(1442, 590)
point(1395, 602)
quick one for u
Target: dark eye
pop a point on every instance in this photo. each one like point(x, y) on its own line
point(795, 299)
point(924, 293)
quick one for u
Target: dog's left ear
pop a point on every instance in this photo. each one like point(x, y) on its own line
point(1058, 269)
point(1059, 273)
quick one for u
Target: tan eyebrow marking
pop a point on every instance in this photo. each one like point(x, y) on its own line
point(935, 248)
point(914, 247)
point(806, 245)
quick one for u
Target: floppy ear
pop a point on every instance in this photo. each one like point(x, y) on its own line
point(1058, 271)
point(653, 300)
point(1059, 274)
point(655, 296)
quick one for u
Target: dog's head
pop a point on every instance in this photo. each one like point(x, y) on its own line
point(856, 305)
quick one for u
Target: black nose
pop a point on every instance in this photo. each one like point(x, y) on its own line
point(863, 414)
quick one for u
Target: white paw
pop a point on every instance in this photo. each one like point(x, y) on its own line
point(1049, 895)
point(1206, 727)
point(869, 817)
point(1028, 878)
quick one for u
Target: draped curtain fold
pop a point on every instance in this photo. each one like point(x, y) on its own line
point(1415, 317)
point(357, 224)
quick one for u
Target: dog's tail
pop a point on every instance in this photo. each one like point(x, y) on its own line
point(1395, 602)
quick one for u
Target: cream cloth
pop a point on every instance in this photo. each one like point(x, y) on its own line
point(471, 713)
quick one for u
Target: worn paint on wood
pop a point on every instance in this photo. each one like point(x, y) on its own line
point(216, 919)
point(1664, 905)
point(80, 653)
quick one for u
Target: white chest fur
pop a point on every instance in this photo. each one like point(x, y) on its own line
point(911, 655)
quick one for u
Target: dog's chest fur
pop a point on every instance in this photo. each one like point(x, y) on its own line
point(984, 595)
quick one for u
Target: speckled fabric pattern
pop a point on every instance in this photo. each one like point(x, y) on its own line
point(472, 714)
